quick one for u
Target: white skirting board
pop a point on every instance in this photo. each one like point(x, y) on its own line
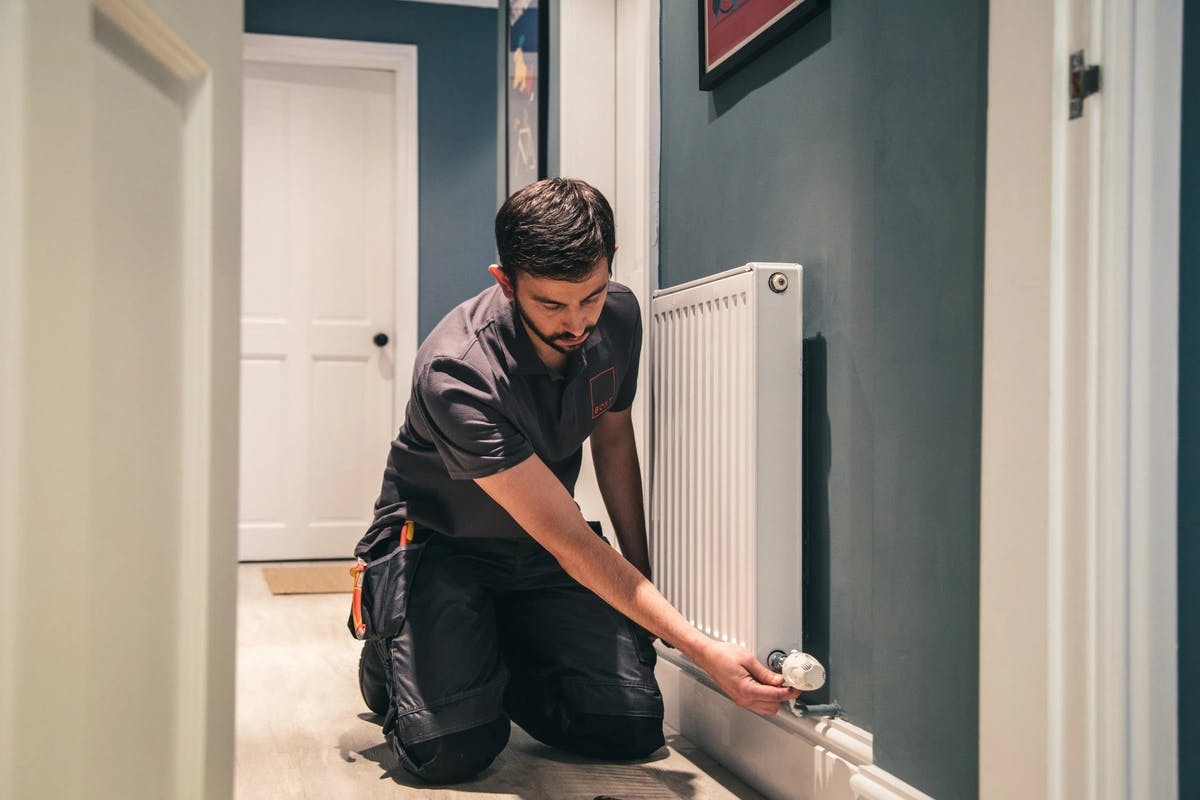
point(784, 757)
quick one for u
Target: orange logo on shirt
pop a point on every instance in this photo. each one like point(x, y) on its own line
point(604, 390)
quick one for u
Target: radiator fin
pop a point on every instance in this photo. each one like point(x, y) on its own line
point(704, 466)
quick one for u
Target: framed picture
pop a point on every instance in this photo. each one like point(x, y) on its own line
point(733, 32)
point(526, 98)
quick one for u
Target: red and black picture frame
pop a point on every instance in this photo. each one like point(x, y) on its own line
point(734, 32)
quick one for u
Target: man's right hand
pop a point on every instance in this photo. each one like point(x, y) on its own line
point(746, 680)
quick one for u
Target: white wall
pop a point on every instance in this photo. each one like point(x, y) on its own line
point(117, 552)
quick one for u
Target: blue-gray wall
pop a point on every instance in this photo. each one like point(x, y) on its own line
point(1189, 414)
point(856, 148)
point(456, 71)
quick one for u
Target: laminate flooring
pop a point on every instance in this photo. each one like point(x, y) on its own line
point(303, 731)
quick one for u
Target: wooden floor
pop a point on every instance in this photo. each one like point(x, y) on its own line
point(303, 732)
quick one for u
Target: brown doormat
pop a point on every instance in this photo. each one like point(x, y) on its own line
point(310, 579)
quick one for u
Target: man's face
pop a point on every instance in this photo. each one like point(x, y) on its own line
point(562, 314)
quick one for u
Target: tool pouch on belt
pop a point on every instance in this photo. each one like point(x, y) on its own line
point(383, 576)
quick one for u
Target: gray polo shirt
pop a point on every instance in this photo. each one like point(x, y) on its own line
point(482, 402)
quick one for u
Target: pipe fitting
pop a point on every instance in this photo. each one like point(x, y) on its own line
point(800, 670)
point(832, 710)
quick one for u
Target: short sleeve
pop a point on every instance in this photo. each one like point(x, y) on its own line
point(470, 434)
point(629, 385)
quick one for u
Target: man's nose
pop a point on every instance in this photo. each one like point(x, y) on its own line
point(577, 324)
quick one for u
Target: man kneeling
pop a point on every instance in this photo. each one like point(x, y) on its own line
point(504, 604)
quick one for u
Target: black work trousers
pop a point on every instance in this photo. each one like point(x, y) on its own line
point(495, 630)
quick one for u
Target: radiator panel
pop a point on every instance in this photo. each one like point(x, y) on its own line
point(725, 474)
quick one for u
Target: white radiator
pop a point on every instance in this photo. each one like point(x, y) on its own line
point(725, 533)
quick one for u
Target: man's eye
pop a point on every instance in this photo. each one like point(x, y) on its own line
point(552, 306)
point(591, 301)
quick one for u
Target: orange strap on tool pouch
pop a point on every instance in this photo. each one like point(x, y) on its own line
point(356, 572)
point(360, 627)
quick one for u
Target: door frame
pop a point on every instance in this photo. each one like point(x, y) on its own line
point(619, 69)
point(1126, 738)
point(636, 123)
point(401, 60)
point(13, 125)
point(47, 368)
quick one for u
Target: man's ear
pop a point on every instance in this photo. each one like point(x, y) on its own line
point(502, 279)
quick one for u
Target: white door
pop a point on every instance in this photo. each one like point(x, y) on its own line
point(319, 285)
point(119, 138)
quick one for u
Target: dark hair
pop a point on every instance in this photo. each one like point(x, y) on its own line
point(555, 228)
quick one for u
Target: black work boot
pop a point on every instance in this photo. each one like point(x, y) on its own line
point(372, 676)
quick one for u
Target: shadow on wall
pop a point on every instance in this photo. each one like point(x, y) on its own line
point(816, 463)
point(773, 62)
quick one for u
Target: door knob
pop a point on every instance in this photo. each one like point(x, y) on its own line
point(381, 340)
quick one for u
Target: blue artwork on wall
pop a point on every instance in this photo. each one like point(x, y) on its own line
point(526, 89)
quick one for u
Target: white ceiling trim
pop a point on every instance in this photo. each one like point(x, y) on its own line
point(475, 3)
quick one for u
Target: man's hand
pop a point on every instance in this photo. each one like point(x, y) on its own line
point(746, 680)
point(539, 503)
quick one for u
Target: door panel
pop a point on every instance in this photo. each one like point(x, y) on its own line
point(319, 271)
point(340, 474)
point(265, 223)
point(264, 496)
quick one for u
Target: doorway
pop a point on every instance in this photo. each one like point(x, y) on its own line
point(329, 286)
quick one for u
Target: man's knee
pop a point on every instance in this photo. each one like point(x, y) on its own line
point(615, 737)
point(372, 677)
point(455, 757)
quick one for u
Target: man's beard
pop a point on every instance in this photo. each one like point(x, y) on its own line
point(551, 340)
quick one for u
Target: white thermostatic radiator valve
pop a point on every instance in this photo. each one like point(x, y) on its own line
point(800, 670)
